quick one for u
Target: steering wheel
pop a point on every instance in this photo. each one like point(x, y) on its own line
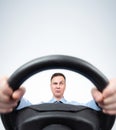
point(57, 116)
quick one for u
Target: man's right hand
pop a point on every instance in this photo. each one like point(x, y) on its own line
point(9, 98)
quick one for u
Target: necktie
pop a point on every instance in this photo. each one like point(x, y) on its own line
point(56, 102)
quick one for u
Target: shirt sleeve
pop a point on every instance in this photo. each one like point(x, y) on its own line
point(23, 103)
point(92, 104)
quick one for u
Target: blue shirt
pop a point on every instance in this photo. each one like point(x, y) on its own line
point(91, 104)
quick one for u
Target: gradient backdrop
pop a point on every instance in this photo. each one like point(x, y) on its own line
point(81, 28)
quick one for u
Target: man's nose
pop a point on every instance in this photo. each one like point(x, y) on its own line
point(58, 85)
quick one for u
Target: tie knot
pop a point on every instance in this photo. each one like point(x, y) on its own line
point(56, 102)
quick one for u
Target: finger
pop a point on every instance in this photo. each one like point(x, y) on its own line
point(110, 100)
point(11, 104)
point(6, 110)
point(4, 98)
point(109, 106)
point(109, 94)
point(7, 107)
point(110, 112)
point(109, 109)
point(110, 89)
point(5, 93)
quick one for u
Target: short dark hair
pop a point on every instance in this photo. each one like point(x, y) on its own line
point(58, 74)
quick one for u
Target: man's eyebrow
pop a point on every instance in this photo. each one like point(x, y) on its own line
point(54, 82)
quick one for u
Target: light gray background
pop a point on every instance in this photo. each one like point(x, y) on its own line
point(85, 29)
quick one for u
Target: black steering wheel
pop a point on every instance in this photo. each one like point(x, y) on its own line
point(57, 116)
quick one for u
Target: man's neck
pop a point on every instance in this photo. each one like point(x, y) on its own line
point(58, 98)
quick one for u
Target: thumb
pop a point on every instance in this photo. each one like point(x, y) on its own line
point(97, 95)
point(17, 95)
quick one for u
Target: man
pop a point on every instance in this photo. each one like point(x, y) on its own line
point(58, 86)
point(106, 100)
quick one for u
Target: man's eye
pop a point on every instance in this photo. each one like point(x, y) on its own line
point(61, 83)
point(54, 83)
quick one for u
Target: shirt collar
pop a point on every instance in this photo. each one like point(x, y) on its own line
point(63, 100)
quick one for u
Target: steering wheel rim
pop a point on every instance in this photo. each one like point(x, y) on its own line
point(61, 62)
point(58, 62)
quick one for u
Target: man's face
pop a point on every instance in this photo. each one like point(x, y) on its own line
point(58, 85)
